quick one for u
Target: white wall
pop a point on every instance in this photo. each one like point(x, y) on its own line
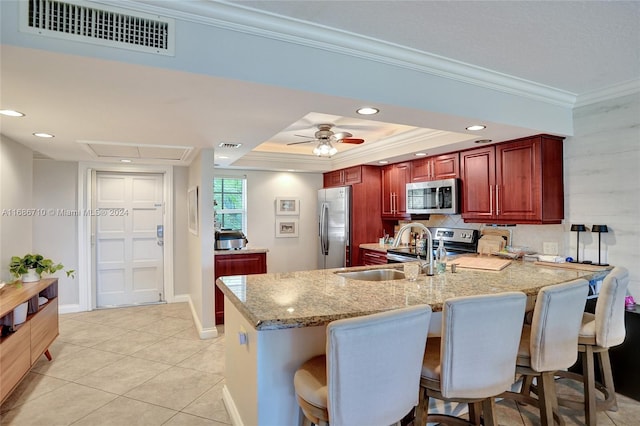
point(55, 235)
point(602, 182)
point(200, 247)
point(16, 182)
point(285, 254)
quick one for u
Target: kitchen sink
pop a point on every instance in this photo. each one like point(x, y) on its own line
point(373, 275)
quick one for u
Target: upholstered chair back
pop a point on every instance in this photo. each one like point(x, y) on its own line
point(557, 317)
point(610, 330)
point(373, 366)
point(480, 331)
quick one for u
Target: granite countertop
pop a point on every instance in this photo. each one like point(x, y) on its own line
point(244, 250)
point(376, 246)
point(310, 298)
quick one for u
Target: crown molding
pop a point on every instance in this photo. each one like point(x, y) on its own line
point(622, 89)
point(236, 17)
point(279, 161)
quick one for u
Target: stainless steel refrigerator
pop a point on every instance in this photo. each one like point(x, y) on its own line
point(334, 226)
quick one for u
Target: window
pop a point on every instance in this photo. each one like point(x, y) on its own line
point(230, 204)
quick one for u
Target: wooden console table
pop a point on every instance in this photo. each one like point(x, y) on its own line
point(21, 345)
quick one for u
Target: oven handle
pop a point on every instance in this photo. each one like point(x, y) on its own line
point(396, 258)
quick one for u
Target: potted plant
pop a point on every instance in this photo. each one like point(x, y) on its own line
point(31, 266)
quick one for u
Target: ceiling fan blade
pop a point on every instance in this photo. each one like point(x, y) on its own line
point(342, 135)
point(351, 140)
point(296, 143)
point(304, 136)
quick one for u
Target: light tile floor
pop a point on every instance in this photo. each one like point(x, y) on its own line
point(147, 366)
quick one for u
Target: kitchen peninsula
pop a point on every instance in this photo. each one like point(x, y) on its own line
point(274, 322)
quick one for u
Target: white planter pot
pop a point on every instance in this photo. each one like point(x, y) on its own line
point(20, 313)
point(30, 276)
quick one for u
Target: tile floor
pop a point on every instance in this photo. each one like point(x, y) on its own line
point(147, 366)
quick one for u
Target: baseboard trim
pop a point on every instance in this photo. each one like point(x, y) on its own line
point(230, 405)
point(204, 333)
point(71, 309)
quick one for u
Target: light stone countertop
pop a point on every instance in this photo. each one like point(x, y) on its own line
point(311, 298)
point(244, 250)
point(376, 247)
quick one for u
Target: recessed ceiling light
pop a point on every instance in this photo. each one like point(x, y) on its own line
point(124, 160)
point(11, 113)
point(476, 127)
point(368, 111)
point(383, 162)
point(484, 141)
point(420, 154)
point(43, 135)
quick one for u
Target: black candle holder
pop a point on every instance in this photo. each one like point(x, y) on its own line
point(578, 229)
point(600, 229)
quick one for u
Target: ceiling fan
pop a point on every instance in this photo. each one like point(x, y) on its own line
point(324, 136)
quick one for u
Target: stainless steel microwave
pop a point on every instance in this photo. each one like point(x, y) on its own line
point(433, 197)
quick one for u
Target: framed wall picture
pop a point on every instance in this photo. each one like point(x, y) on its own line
point(287, 206)
point(286, 227)
point(192, 209)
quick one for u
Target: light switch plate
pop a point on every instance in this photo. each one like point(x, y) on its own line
point(550, 248)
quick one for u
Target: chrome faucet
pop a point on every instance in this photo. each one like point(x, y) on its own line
point(428, 247)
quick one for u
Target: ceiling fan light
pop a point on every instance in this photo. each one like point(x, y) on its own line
point(324, 149)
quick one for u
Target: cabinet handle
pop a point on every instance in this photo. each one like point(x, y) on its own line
point(491, 200)
point(497, 201)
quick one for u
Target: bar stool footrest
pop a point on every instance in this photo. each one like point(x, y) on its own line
point(608, 403)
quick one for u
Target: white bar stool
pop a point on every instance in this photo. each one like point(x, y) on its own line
point(371, 371)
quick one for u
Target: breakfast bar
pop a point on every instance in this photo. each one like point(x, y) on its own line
point(276, 321)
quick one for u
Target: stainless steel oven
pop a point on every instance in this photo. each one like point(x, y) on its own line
point(456, 241)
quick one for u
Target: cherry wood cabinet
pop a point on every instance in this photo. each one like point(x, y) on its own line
point(444, 166)
point(373, 257)
point(394, 180)
point(519, 181)
point(342, 177)
point(21, 345)
point(235, 264)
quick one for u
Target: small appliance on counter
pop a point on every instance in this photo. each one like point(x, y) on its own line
point(228, 239)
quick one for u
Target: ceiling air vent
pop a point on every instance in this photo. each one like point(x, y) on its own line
point(104, 25)
point(229, 145)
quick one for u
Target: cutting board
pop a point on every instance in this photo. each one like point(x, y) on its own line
point(486, 263)
point(577, 266)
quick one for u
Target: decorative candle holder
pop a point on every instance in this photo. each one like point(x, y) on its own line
point(600, 229)
point(578, 229)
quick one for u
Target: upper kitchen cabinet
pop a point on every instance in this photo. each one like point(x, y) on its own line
point(444, 166)
point(519, 181)
point(394, 180)
point(343, 177)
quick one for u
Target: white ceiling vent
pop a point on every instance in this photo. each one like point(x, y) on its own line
point(104, 25)
point(229, 145)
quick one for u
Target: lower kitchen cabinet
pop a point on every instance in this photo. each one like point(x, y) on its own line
point(235, 264)
point(373, 257)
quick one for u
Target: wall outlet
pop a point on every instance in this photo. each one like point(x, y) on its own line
point(550, 248)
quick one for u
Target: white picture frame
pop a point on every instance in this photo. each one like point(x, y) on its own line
point(286, 227)
point(192, 209)
point(287, 206)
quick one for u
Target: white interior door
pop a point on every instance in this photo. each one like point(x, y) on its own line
point(129, 239)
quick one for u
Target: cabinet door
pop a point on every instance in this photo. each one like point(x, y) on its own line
point(446, 166)
point(518, 181)
point(373, 257)
point(15, 358)
point(334, 178)
point(477, 169)
point(421, 169)
point(394, 180)
point(352, 175)
point(235, 264)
